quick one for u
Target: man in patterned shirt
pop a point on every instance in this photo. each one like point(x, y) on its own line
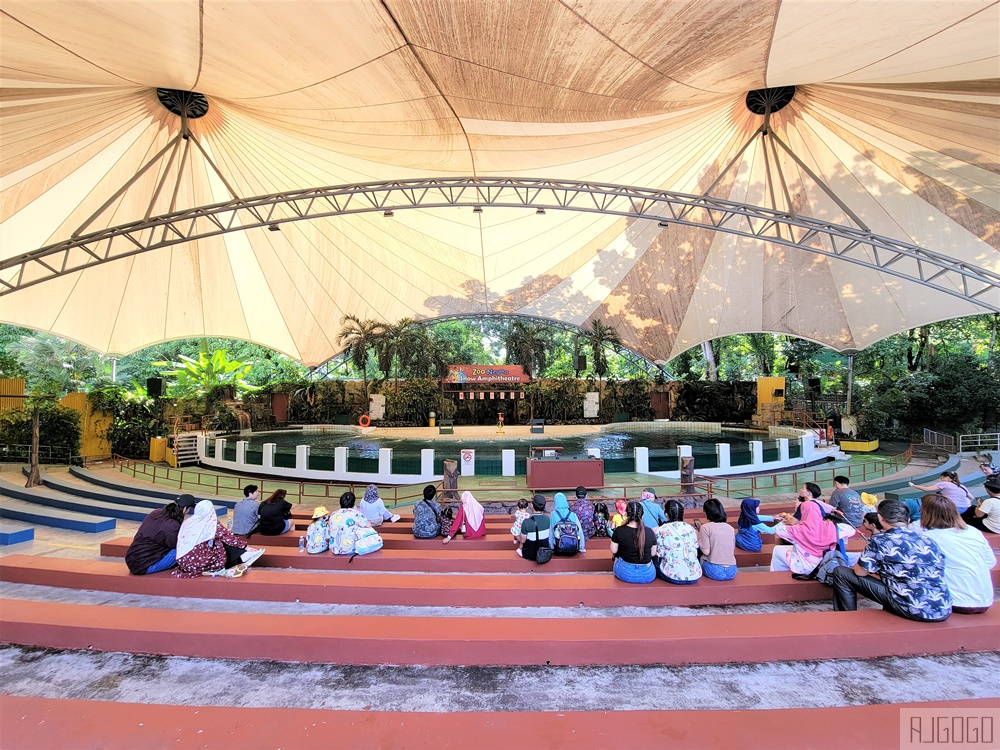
point(909, 566)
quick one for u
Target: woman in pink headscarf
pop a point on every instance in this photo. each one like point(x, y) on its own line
point(810, 538)
point(470, 519)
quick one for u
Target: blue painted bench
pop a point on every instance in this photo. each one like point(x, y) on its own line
point(103, 495)
point(15, 533)
point(60, 519)
point(101, 479)
point(896, 483)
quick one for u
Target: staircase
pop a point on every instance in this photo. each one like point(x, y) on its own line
point(186, 448)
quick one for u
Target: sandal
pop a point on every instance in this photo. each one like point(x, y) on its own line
point(237, 571)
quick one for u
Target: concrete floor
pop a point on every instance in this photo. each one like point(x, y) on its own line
point(259, 683)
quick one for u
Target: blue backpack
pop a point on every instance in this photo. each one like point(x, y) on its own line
point(566, 538)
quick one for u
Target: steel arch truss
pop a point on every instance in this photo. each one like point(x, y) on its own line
point(884, 254)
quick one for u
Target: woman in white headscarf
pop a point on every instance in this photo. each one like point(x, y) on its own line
point(206, 547)
point(470, 519)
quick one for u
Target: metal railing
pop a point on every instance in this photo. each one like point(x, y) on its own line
point(791, 481)
point(195, 481)
point(940, 440)
point(47, 454)
point(983, 441)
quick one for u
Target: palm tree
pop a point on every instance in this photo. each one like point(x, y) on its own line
point(528, 345)
point(358, 337)
point(600, 337)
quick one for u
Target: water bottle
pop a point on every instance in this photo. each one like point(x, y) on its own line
point(302, 544)
point(229, 522)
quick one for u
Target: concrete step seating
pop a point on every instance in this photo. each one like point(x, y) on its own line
point(80, 498)
point(15, 533)
point(40, 515)
point(492, 641)
point(35, 722)
point(893, 482)
point(437, 558)
point(973, 481)
point(143, 489)
point(416, 590)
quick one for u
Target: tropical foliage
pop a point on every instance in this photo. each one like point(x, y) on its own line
point(208, 370)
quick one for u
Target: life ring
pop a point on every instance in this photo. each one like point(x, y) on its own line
point(364, 421)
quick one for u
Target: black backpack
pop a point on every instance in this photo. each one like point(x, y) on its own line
point(601, 520)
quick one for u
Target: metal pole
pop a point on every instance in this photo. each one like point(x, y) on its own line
point(850, 381)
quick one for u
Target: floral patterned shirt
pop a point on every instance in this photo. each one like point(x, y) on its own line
point(344, 525)
point(677, 544)
point(911, 565)
point(209, 556)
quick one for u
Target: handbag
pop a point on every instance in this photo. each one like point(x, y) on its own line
point(823, 572)
point(543, 552)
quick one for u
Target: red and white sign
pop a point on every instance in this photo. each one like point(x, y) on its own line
point(467, 456)
point(472, 374)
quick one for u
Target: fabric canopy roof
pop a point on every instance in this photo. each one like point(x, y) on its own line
point(895, 112)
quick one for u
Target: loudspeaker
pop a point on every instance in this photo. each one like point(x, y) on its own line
point(580, 362)
point(154, 387)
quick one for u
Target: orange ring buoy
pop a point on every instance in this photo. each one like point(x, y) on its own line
point(364, 421)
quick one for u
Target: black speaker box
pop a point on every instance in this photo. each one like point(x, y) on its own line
point(580, 362)
point(154, 387)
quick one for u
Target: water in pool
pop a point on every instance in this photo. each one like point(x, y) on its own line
point(614, 444)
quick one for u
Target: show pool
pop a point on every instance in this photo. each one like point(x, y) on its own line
point(616, 446)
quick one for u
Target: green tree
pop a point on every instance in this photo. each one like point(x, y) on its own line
point(527, 344)
point(601, 337)
point(358, 337)
point(199, 375)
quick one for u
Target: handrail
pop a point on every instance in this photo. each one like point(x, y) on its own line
point(306, 491)
point(978, 442)
point(790, 481)
point(939, 440)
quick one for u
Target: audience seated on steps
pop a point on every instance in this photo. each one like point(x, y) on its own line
point(246, 516)
point(154, 547)
point(206, 547)
point(427, 515)
point(968, 558)
point(566, 537)
point(584, 510)
point(717, 542)
point(470, 519)
point(374, 507)
point(677, 547)
point(810, 537)
point(318, 533)
point(986, 512)
point(276, 515)
point(952, 488)
point(750, 524)
point(347, 525)
point(633, 546)
point(847, 501)
point(652, 513)
point(910, 569)
point(534, 530)
point(518, 517)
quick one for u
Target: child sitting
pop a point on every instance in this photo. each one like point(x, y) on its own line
point(447, 520)
point(750, 525)
point(602, 523)
point(519, 515)
point(318, 533)
point(619, 519)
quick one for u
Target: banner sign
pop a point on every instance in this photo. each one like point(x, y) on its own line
point(472, 374)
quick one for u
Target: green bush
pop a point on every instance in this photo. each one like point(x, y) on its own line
point(59, 427)
point(134, 420)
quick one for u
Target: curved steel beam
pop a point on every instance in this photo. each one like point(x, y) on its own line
point(884, 254)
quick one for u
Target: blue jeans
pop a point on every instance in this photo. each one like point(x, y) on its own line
point(288, 525)
point(632, 573)
point(718, 572)
point(169, 560)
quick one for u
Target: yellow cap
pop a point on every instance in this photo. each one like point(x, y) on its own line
point(320, 512)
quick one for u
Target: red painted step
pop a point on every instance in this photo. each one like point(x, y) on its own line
point(497, 641)
point(42, 723)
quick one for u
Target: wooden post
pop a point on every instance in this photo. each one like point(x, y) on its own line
point(34, 476)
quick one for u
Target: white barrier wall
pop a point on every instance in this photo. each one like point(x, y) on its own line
point(211, 453)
